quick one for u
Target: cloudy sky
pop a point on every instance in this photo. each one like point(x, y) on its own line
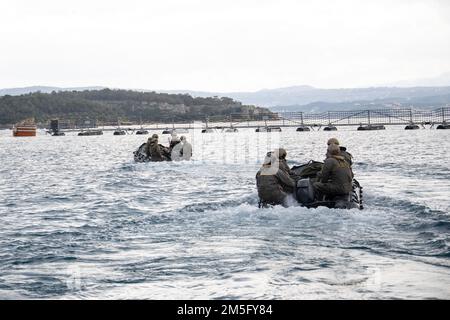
point(220, 45)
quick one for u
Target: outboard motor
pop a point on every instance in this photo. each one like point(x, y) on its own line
point(305, 191)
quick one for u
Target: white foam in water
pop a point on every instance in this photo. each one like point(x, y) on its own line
point(80, 219)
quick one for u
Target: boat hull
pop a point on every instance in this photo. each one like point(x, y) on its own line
point(24, 131)
point(91, 133)
point(140, 155)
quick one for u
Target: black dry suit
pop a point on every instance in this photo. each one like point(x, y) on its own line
point(273, 184)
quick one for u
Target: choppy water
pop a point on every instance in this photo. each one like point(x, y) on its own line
point(79, 219)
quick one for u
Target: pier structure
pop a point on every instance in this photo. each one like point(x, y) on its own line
point(383, 117)
point(314, 121)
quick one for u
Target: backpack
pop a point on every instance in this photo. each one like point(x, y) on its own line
point(308, 170)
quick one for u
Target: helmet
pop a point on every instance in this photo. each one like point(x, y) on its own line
point(333, 141)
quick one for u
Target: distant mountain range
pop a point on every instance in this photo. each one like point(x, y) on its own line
point(420, 93)
point(307, 98)
point(293, 97)
point(426, 102)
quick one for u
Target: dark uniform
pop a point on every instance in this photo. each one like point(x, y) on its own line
point(154, 150)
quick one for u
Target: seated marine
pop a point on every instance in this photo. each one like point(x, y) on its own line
point(156, 151)
point(273, 183)
point(281, 155)
point(347, 156)
point(336, 177)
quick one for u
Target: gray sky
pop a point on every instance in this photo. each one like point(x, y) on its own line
point(217, 45)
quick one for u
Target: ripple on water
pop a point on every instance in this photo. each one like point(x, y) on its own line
point(87, 222)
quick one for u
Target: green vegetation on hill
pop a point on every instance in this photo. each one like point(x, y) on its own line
point(125, 105)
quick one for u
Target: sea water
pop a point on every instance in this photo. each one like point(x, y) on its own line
point(80, 220)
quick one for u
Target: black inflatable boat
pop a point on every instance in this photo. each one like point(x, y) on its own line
point(306, 175)
point(140, 155)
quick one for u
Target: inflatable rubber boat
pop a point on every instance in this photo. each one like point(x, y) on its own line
point(140, 155)
point(305, 194)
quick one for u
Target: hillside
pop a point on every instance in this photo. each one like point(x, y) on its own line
point(112, 105)
point(298, 98)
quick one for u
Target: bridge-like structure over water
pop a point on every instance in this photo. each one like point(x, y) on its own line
point(369, 117)
point(384, 117)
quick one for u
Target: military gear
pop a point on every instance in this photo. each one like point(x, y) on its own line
point(335, 177)
point(311, 197)
point(280, 154)
point(333, 141)
point(165, 152)
point(347, 156)
point(150, 142)
point(333, 150)
point(152, 151)
point(273, 184)
point(284, 166)
point(309, 170)
point(156, 151)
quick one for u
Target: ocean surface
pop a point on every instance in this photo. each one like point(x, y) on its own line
point(80, 220)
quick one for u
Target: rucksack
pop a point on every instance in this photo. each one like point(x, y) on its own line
point(308, 170)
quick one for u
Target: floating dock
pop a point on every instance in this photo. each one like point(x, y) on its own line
point(372, 119)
